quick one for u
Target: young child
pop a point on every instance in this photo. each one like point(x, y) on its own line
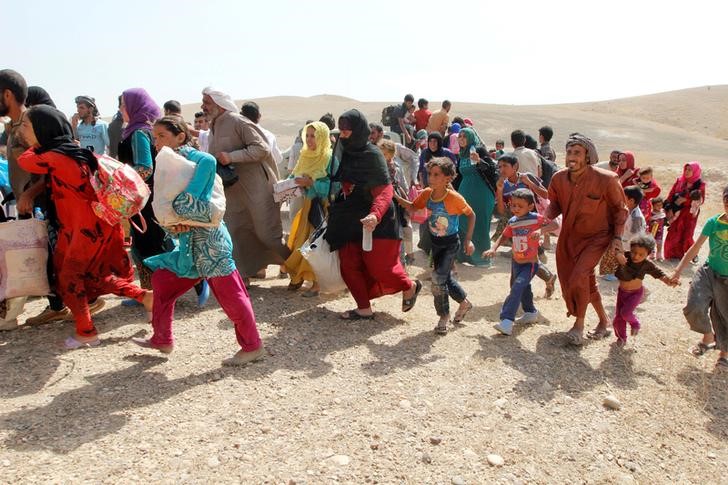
point(445, 206)
point(524, 229)
point(201, 252)
point(633, 266)
point(650, 189)
point(499, 148)
point(707, 307)
point(657, 221)
point(635, 224)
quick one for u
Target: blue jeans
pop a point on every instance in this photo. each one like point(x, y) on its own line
point(521, 294)
point(444, 286)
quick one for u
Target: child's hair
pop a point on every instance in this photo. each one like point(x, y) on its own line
point(500, 142)
point(546, 132)
point(633, 192)
point(421, 103)
point(645, 171)
point(199, 114)
point(658, 200)
point(524, 194)
point(510, 158)
point(328, 120)
point(643, 241)
point(696, 195)
point(387, 145)
point(725, 193)
point(531, 142)
point(175, 125)
point(445, 164)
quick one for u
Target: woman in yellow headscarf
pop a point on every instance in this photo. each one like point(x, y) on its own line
point(313, 175)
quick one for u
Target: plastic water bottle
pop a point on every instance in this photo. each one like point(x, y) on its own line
point(38, 214)
point(366, 239)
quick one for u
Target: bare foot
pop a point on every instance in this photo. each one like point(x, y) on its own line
point(634, 331)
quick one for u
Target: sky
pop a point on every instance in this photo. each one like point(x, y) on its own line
point(490, 51)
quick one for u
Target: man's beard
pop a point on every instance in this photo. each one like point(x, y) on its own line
point(4, 110)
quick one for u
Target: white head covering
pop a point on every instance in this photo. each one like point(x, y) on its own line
point(221, 99)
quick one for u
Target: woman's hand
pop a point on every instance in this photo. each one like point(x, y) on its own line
point(474, 157)
point(24, 205)
point(370, 222)
point(179, 229)
point(304, 181)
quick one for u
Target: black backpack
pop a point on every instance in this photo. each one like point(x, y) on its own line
point(548, 169)
point(389, 115)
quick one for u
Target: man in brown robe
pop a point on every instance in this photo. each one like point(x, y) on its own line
point(594, 211)
point(252, 216)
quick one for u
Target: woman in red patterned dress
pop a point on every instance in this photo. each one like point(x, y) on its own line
point(89, 258)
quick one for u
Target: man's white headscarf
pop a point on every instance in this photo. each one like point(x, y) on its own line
point(221, 99)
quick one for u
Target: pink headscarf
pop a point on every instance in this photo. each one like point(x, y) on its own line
point(682, 182)
point(629, 156)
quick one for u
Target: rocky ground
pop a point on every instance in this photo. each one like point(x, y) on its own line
point(383, 401)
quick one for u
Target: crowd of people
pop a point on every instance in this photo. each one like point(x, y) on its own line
point(368, 184)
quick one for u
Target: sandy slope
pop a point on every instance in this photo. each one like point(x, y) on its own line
point(336, 401)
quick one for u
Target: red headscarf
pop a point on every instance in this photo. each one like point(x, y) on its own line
point(683, 182)
point(629, 156)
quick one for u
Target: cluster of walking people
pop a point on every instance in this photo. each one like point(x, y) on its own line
point(368, 187)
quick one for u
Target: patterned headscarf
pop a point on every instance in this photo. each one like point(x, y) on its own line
point(314, 162)
point(584, 141)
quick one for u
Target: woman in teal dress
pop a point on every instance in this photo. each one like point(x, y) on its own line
point(478, 195)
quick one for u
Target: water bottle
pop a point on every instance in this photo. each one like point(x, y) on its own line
point(366, 239)
point(38, 214)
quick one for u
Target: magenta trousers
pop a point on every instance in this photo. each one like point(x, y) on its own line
point(627, 302)
point(230, 293)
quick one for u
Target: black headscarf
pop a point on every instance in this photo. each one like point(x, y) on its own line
point(362, 163)
point(37, 95)
point(54, 133)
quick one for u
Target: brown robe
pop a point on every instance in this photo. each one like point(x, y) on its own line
point(594, 211)
point(252, 216)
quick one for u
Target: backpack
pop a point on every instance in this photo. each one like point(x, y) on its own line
point(120, 191)
point(389, 115)
point(548, 169)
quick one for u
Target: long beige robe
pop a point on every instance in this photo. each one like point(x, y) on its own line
point(594, 211)
point(252, 216)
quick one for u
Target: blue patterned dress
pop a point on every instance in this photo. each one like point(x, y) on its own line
point(203, 252)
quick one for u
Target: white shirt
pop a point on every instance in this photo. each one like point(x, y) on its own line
point(273, 143)
point(204, 140)
point(528, 161)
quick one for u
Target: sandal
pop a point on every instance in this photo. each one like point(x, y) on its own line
point(409, 303)
point(310, 293)
point(460, 314)
point(147, 344)
point(574, 338)
point(355, 315)
point(294, 286)
point(700, 348)
point(598, 333)
point(441, 329)
point(71, 343)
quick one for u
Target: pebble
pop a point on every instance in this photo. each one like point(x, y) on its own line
point(404, 403)
point(341, 460)
point(374, 446)
point(712, 455)
point(457, 481)
point(611, 402)
point(470, 455)
point(495, 460)
point(213, 462)
point(501, 403)
point(435, 440)
point(425, 458)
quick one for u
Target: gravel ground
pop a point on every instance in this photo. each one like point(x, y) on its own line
point(383, 401)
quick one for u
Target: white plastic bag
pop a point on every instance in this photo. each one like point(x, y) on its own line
point(324, 262)
point(172, 175)
point(23, 258)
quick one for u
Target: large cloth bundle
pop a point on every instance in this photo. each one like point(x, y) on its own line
point(23, 259)
point(172, 175)
point(324, 262)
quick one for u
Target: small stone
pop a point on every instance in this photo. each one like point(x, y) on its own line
point(712, 455)
point(265, 430)
point(631, 466)
point(435, 440)
point(374, 446)
point(500, 403)
point(457, 481)
point(470, 455)
point(213, 462)
point(495, 460)
point(340, 460)
point(425, 458)
point(611, 402)
point(404, 403)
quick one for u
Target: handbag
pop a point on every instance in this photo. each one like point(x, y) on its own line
point(228, 174)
